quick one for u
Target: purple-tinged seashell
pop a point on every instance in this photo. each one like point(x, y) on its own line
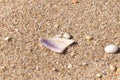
point(56, 44)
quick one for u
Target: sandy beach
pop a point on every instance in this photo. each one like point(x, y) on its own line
point(24, 22)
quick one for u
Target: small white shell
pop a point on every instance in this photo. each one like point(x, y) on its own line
point(111, 48)
point(56, 44)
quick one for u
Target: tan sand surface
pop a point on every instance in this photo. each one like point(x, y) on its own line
point(22, 57)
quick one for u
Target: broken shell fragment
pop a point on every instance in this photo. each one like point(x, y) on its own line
point(56, 44)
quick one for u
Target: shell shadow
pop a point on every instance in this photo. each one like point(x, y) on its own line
point(65, 51)
point(118, 52)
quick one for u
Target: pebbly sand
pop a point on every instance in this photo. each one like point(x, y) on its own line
point(22, 57)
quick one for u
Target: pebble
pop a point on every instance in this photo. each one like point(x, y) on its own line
point(74, 1)
point(16, 30)
point(56, 25)
point(7, 38)
point(58, 36)
point(98, 75)
point(66, 35)
point(89, 38)
point(84, 64)
point(113, 68)
point(73, 55)
point(118, 71)
point(111, 48)
point(69, 66)
point(54, 69)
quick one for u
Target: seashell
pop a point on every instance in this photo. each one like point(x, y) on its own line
point(56, 44)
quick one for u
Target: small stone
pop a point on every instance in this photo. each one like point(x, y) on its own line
point(66, 35)
point(69, 66)
point(74, 1)
point(89, 38)
point(84, 64)
point(72, 54)
point(111, 48)
point(58, 36)
point(54, 69)
point(56, 25)
point(7, 38)
point(118, 71)
point(113, 68)
point(98, 75)
point(16, 30)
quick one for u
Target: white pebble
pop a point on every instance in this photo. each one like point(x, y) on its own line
point(113, 68)
point(88, 37)
point(16, 30)
point(98, 75)
point(58, 36)
point(56, 25)
point(66, 35)
point(84, 64)
point(7, 38)
point(69, 66)
point(111, 48)
point(54, 69)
